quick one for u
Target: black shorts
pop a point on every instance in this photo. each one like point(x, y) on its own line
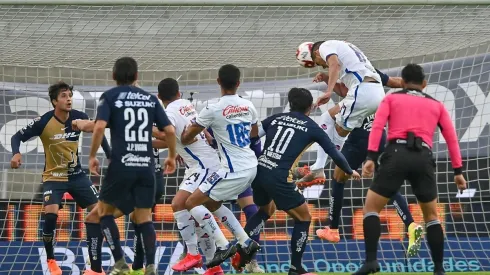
point(127, 190)
point(80, 188)
point(268, 187)
point(356, 145)
point(128, 206)
point(398, 164)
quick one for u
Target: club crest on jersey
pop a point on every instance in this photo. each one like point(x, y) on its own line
point(232, 111)
point(187, 110)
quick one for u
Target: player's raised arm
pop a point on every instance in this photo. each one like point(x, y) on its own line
point(325, 55)
point(203, 121)
point(33, 129)
point(87, 125)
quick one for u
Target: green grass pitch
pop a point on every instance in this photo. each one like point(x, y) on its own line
point(399, 273)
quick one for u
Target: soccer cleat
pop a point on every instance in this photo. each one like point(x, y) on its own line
point(190, 261)
point(221, 255)
point(91, 272)
point(439, 273)
point(120, 268)
point(415, 233)
point(253, 267)
point(299, 272)
point(368, 268)
point(244, 255)
point(300, 172)
point(329, 234)
point(150, 270)
point(217, 270)
point(137, 272)
point(53, 267)
point(315, 177)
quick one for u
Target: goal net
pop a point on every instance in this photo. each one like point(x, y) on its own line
point(41, 44)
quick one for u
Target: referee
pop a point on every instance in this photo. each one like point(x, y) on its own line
point(412, 117)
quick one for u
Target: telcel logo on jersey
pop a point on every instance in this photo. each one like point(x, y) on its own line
point(138, 96)
point(232, 111)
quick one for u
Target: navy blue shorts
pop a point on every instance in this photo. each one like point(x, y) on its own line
point(268, 187)
point(129, 189)
point(356, 147)
point(128, 207)
point(80, 188)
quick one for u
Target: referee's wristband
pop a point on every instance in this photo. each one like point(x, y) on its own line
point(458, 171)
point(372, 155)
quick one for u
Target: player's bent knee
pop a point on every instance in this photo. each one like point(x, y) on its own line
point(52, 208)
point(91, 207)
point(374, 202)
point(93, 216)
point(339, 175)
point(212, 205)
point(141, 215)
point(178, 202)
point(269, 209)
point(341, 131)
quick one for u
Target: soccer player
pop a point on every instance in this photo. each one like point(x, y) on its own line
point(201, 161)
point(355, 151)
point(130, 112)
point(95, 244)
point(232, 120)
point(287, 137)
point(349, 66)
point(413, 117)
point(62, 170)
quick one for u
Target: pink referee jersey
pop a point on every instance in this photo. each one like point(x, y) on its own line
point(414, 111)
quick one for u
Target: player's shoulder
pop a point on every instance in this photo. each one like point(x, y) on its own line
point(44, 118)
point(76, 114)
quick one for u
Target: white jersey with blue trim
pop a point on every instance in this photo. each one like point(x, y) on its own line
point(355, 66)
point(231, 119)
point(198, 155)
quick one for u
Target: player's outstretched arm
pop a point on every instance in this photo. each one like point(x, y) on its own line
point(324, 141)
point(190, 132)
point(158, 144)
point(16, 160)
point(84, 125)
point(97, 137)
point(33, 129)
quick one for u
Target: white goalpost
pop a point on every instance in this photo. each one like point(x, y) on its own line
point(44, 41)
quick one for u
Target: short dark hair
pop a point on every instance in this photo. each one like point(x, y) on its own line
point(300, 99)
point(168, 89)
point(414, 74)
point(315, 47)
point(229, 76)
point(125, 71)
point(55, 90)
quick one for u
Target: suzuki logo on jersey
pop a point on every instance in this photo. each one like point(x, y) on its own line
point(187, 110)
point(232, 111)
point(135, 160)
point(118, 103)
point(65, 136)
point(138, 96)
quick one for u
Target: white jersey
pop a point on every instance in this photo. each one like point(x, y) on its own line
point(198, 155)
point(354, 64)
point(231, 119)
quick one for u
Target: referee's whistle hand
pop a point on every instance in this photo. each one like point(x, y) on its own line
point(460, 182)
point(368, 169)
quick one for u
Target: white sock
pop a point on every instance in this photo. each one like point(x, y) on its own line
point(209, 225)
point(206, 243)
point(228, 219)
point(186, 226)
point(329, 128)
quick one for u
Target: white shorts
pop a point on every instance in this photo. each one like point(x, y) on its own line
point(224, 186)
point(359, 103)
point(195, 177)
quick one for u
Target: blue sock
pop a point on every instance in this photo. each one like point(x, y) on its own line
point(298, 243)
point(149, 241)
point(48, 234)
point(111, 233)
point(256, 223)
point(94, 243)
point(336, 203)
point(249, 211)
point(139, 253)
point(401, 207)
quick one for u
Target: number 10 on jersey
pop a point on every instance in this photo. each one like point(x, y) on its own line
point(239, 134)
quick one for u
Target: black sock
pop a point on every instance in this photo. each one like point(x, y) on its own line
point(48, 233)
point(336, 201)
point(372, 232)
point(401, 207)
point(435, 238)
point(149, 241)
point(298, 243)
point(255, 224)
point(94, 243)
point(111, 233)
point(139, 252)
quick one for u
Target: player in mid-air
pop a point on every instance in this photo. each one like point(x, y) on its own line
point(232, 120)
point(62, 170)
point(355, 151)
point(288, 135)
point(130, 112)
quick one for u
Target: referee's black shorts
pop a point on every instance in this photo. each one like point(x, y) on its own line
point(398, 164)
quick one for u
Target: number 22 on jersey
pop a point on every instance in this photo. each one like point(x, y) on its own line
point(138, 118)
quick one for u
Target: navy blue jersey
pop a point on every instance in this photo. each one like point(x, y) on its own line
point(60, 144)
point(288, 135)
point(130, 113)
